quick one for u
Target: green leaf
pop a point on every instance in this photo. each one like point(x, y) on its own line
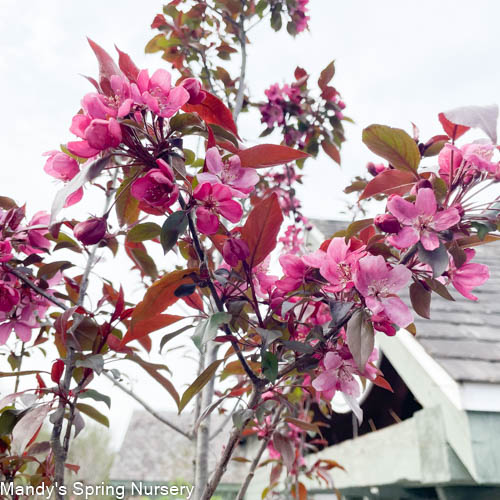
point(437, 287)
point(199, 383)
point(482, 229)
point(94, 362)
point(49, 270)
point(437, 259)
point(172, 228)
point(394, 145)
point(8, 420)
point(269, 366)
point(268, 336)
point(185, 290)
point(169, 336)
point(207, 329)
point(420, 299)
point(182, 121)
point(96, 396)
point(143, 232)
point(360, 338)
point(94, 414)
point(127, 207)
point(326, 75)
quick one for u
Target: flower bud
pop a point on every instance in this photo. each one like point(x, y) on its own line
point(423, 184)
point(374, 169)
point(234, 250)
point(57, 371)
point(387, 223)
point(196, 93)
point(91, 231)
point(5, 251)
point(9, 297)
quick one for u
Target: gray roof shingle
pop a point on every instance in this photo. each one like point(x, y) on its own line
point(151, 451)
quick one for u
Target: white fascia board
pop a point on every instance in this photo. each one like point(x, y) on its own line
point(478, 396)
point(426, 378)
point(432, 386)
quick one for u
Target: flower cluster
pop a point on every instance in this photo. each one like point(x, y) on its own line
point(21, 307)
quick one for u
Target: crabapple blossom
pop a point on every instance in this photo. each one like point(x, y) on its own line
point(420, 220)
point(158, 94)
point(214, 200)
point(338, 375)
point(5, 251)
point(378, 283)
point(240, 181)
point(469, 275)
point(157, 188)
point(338, 264)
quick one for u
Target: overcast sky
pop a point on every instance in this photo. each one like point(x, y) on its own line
point(396, 62)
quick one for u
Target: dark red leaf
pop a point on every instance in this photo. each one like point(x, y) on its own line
point(213, 110)
point(130, 70)
point(158, 21)
point(269, 155)
point(454, 131)
point(261, 229)
point(389, 182)
point(107, 67)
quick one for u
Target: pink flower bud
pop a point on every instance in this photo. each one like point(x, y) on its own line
point(5, 251)
point(91, 231)
point(196, 93)
point(387, 223)
point(9, 297)
point(57, 371)
point(375, 169)
point(234, 250)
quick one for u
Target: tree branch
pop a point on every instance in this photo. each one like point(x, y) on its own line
point(146, 406)
point(256, 460)
point(36, 288)
point(241, 84)
point(231, 444)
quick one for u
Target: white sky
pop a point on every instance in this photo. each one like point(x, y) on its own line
point(396, 62)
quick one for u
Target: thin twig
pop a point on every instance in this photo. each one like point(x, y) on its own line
point(256, 460)
point(146, 406)
point(36, 288)
point(231, 444)
point(241, 84)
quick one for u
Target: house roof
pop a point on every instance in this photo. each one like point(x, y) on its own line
point(462, 336)
point(153, 452)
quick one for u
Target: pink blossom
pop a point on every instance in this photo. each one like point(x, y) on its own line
point(157, 188)
point(421, 220)
point(97, 135)
point(116, 105)
point(230, 173)
point(196, 93)
point(295, 272)
point(235, 250)
point(158, 94)
point(214, 200)
point(338, 375)
point(9, 297)
point(63, 167)
point(34, 234)
point(449, 160)
point(469, 276)
point(337, 264)
point(378, 284)
point(5, 251)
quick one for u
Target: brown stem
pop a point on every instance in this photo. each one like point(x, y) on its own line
point(241, 84)
point(231, 444)
point(146, 406)
point(256, 460)
point(256, 381)
point(36, 288)
point(61, 449)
